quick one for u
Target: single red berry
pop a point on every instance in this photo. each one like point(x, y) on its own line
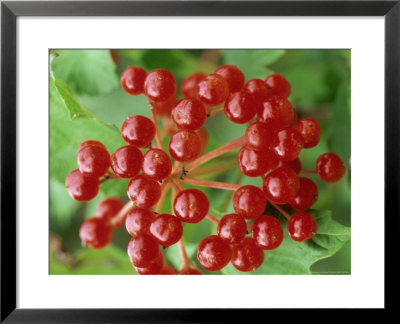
point(191, 205)
point(278, 85)
point(138, 221)
point(189, 114)
point(232, 228)
point(254, 163)
point(184, 146)
point(166, 229)
point(95, 233)
point(164, 108)
point(190, 271)
point(91, 143)
point(295, 165)
point(310, 131)
point(233, 75)
point(159, 85)
point(138, 131)
point(287, 144)
point(259, 136)
point(240, 107)
point(144, 191)
point(267, 232)
point(302, 227)
point(212, 90)
point(108, 208)
point(249, 201)
point(93, 160)
point(132, 80)
point(126, 162)
point(157, 164)
point(258, 89)
point(154, 268)
point(213, 253)
point(80, 186)
point(330, 167)
point(306, 196)
point(277, 112)
point(281, 185)
point(189, 85)
point(203, 135)
point(143, 250)
point(247, 255)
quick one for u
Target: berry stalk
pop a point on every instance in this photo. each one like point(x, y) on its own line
point(281, 210)
point(120, 218)
point(212, 184)
point(158, 138)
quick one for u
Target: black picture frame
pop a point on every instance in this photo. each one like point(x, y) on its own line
point(11, 10)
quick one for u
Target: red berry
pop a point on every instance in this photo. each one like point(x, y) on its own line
point(157, 164)
point(138, 131)
point(166, 229)
point(154, 268)
point(90, 143)
point(306, 196)
point(259, 136)
point(189, 114)
point(132, 80)
point(191, 205)
point(287, 145)
point(212, 90)
point(240, 107)
point(232, 228)
point(108, 208)
point(249, 201)
point(258, 89)
point(93, 160)
point(203, 135)
point(278, 85)
point(189, 85)
point(281, 185)
point(232, 75)
point(81, 187)
point(184, 146)
point(144, 191)
point(138, 221)
point(330, 167)
point(190, 271)
point(254, 163)
point(310, 131)
point(95, 233)
point(302, 227)
point(159, 85)
point(126, 162)
point(247, 255)
point(143, 250)
point(277, 112)
point(167, 270)
point(164, 108)
point(213, 253)
point(267, 232)
point(295, 165)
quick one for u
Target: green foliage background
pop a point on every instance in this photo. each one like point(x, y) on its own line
point(86, 102)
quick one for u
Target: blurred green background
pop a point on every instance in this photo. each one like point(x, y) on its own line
point(86, 102)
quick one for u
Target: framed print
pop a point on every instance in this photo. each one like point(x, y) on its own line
point(253, 145)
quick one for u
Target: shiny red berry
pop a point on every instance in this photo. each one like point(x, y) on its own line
point(240, 107)
point(267, 232)
point(189, 85)
point(138, 221)
point(287, 144)
point(249, 201)
point(302, 227)
point(184, 146)
point(310, 130)
point(232, 228)
point(157, 164)
point(213, 253)
point(138, 131)
point(330, 167)
point(247, 255)
point(258, 89)
point(166, 229)
point(277, 112)
point(233, 75)
point(143, 250)
point(191, 205)
point(93, 160)
point(159, 85)
point(95, 233)
point(144, 191)
point(108, 208)
point(154, 268)
point(80, 186)
point(278, 85)
point(306, 196)
point(126, 162)
point(281, 185)
point(90, 143)
point(212, 90)
point(132, 80)
point(189, 114)
point(259, 136)
point(254, 163)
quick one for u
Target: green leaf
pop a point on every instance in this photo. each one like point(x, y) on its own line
point(253, 63)
point(89, 72)
point(296, 258)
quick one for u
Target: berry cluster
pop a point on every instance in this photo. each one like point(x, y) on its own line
point(269, 149)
